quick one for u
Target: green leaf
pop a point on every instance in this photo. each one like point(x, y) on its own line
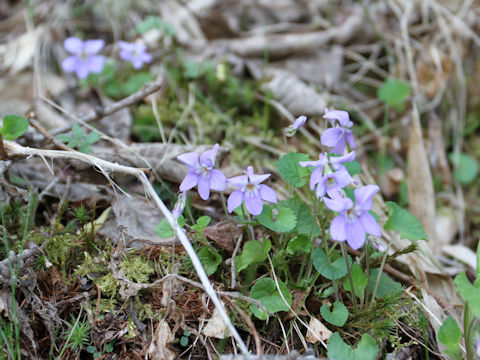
point(109, 347)
point(404, 222)
point(192, 70)
point(477, 271)
point(210, 260)
point(469, 292)
point(184, 341)
point(92, 137)
point(65, 138)
point(13, 127)
point(136, 81)
point(367, 349)
point(163, 229)
point(77, 131)
point(305, 219)
point(85, 148)
point(300, 244)
point(466, 167)
point(359, 279)
point(265, 290)
point(393, 92)
point(449, 333)
point(277, 218)
point(73, 142)
point(331, 269)
point(386, 286)
point(353, 167)
point(337, 349)
point(202, 223)
point(253, 252)
point(149, 23)
point(288, 166)
point(338, 316)
point(91, 349)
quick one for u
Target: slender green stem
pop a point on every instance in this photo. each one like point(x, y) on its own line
point(230, 225)
point(380, 273)
point(285, 142)
point(247, 217)
point(349, 271)
point(367, 270)
point(467, 331)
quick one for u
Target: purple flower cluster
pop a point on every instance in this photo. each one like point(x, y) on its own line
point(136, 53)
point(85, 59)
point(330, 176)
point(354, 220)
point(341, 132)
point(251, 191)
point(201, 173)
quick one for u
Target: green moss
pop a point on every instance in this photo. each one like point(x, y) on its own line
point(96, 269)
point(59, 249)
point(137, 269)
point(107, 284)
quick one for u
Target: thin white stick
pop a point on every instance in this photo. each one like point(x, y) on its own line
point(13, 149)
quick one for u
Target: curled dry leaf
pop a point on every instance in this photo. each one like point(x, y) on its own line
point(221, 234)
point(19, 52)
point(216, 327)
point(317, 331)
point(158, 349)
point(461, 253)
point(420, 184)
point(298, 97)
point(137, 216)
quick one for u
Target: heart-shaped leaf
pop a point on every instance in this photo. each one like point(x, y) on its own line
point(332, 270)
point(265, 290)
point(338, 316)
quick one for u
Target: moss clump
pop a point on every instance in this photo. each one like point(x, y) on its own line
point(96, 269)
point(137, 269)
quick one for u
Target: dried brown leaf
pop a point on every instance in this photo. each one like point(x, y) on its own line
point(221, 234)
point(317, 331)
point(420, 185)
point(158, 349)
point(216, 327)
point(137, 216)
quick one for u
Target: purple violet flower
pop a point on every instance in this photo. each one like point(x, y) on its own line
point(84, 59)
point(202, 173)
point(329, 176)
point(136, 53)
point(292, 129)
point(340, 134)
point(179, 205)
point(251, 191)
point(354, 221)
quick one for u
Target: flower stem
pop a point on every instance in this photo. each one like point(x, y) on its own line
point(380, 270)
point(367, 270)
point(349, 271)
point(467, 327)
point(247, 217)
